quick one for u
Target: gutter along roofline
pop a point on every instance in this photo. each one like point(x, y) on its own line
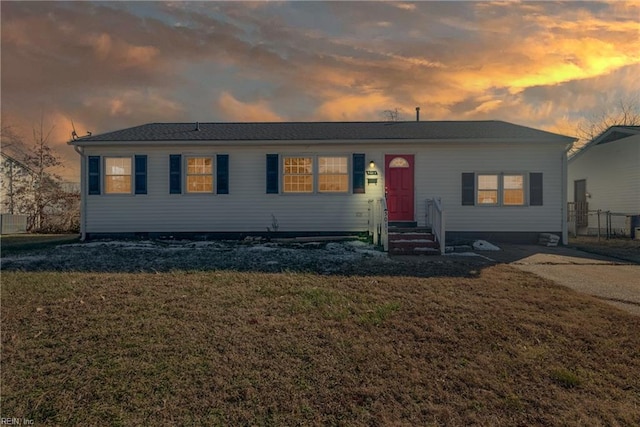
point(274, 142)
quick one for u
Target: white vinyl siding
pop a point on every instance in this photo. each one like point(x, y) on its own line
point(248, 208)
point(612, 174)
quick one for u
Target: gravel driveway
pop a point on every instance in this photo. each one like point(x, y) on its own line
point(614, 281)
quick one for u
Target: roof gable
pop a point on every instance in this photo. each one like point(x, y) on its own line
point(614, 133)
point(325, 131)
point(17, 162)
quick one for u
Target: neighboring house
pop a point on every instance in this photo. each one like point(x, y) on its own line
point(495, 179)
point(605, 175)
point(14, 175)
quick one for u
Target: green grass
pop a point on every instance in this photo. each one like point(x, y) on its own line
point(222, 348)
point(565, 378)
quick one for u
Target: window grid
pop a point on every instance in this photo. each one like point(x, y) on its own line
point(199, 175)
point(333, 176)
point(298, 175)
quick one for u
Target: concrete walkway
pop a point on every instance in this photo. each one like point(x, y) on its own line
point(614, 281)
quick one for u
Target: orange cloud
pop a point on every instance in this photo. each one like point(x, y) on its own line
point(355, 107)
point(147, 103)
point(123, 54)
point(235, 110)
point(404, 6)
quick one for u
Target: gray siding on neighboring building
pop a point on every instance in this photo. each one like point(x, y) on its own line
point(612, 174)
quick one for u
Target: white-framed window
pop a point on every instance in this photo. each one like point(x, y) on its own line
point(117, 175)
point(199, 174)
point(504, 189)
point(333, 174)
point(297, 174)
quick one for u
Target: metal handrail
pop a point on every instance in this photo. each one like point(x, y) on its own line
point(378, 226)
point(435, 218)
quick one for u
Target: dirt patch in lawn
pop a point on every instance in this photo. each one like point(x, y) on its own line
point(502, 348)
point(327, 258)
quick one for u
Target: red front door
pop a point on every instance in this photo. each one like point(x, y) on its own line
point(398, 173)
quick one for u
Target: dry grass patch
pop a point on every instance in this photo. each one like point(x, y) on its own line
point(222, 348)
point(622, 248)
point(23, 243)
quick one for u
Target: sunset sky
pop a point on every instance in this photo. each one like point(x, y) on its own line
point(110, 65)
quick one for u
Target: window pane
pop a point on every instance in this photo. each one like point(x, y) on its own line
point(513, 193)
point(399, 162)
point(200, 183)
point(118, 166)
point(332, 165)
point(298, 165)
point(333, 183)
point(117, 184)
point(513, 197)
point(298, 176)
point(199, 165)
point(512, 182)
point(487, 182)
point(487, 197)
point(117, 173)
point(298, 183)
point(199, 175)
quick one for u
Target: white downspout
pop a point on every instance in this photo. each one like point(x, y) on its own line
point(83, 192)
point(563, 208)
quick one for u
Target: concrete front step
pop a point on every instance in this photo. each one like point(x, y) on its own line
point(413, 242)
point(409, 230)
point(395, 250)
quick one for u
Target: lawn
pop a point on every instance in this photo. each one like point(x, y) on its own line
point(622, 248)
point(24, 243)
point(242, 348)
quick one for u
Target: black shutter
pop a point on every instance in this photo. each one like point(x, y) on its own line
point(358, 173)
point(535, 189)
point(272, 174)
point(141, 174)
point(94, 174)
point(468, 189)
point(175, 174)
point(222, 174)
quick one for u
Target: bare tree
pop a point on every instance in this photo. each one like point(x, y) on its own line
point(625, 113)
point(392, 115)
point(38, 192)
point(9, 138)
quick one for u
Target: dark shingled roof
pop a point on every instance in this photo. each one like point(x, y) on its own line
point(324, 131)
point(615, 133)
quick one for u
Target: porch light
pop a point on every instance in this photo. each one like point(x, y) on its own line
point(372, 164)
